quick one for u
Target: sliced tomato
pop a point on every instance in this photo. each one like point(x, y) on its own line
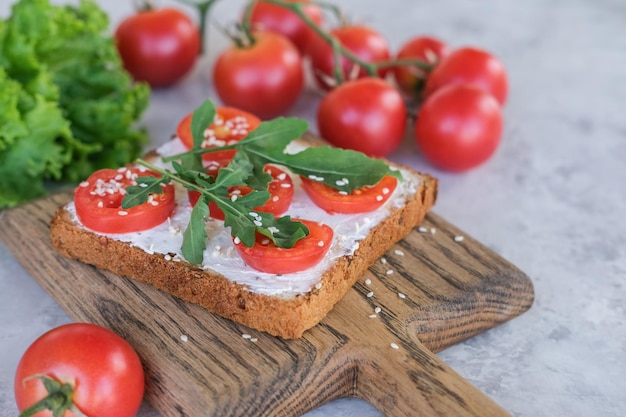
point(266, 257)
point(98, 202)
point(361, 200)
point(229, 126)
point(280, 189)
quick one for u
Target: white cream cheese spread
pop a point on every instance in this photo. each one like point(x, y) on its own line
point(221, 256)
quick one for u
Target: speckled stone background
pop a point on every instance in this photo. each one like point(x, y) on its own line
point(552, 200)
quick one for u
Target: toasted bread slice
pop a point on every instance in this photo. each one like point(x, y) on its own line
point(284, 306)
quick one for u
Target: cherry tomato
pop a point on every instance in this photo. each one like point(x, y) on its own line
point(459, 127)
point(364, 42)
point(361, 200)
point(367, 115)
point(274, 18)
point(430, 50)
point(470, 66)
point(280, 189)
point(98, 202)
point(158, 46)
point(103, 373)
point(264, 256)
point(229, 126)
point(265, 78)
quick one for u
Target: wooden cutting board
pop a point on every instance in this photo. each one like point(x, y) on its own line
point(433, 291)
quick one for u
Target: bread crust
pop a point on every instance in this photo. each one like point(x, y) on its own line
point(278, 316)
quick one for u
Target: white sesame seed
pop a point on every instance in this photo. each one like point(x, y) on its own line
point(373, 316)
point(100, 204)
point(389, 272)
point(458, 238)
point(370, 294)
point(167, 257)
point(258, 223)
point(422, 229)
point(285, 185)
point(233, 197)
point(377, 310)
point(122, 213)
point(253, 339)
point(184, 337)
point(368, 281)
point(318, 286)
point(275, 198)
point(237, 240)
point(385, 190)
point(394, 346)
point(265, 242)
point(282, 176)
point(246, 336)
point(398, 252)
point(401, 295)
point(343, 192)
point(379, 198)
point(383, 260)
point(320, 243)
point(84, 184)
point(433, 230)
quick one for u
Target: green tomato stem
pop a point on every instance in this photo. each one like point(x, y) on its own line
point(203, 8)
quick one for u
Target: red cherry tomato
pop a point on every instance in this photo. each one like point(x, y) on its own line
point(264, 256)
point(280, 189)
point(103, 371)
point(364, 42)
point(229, 126)
point(98, 202)
point(470, 66)
point(158, 46)
point(361, 200)
point(274, 18)
point(430, 50)
point(459, 127)
point(367, 115)
point(265, 78)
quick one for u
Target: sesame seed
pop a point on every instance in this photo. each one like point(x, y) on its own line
point(385, 190)
point(458, 238)
point(394, 346)
point(122, 213)
point(318, 286)
point(246, 336)
point(258, 223)
point(167, 257)
point(237, 240)
point(100, 204)
point(343, 192)
point(285, 185)
point(275, 198)
point(373, 316)
point(370, 294)
point(401, 295)
point(253, 339)
point(84, 184)
point(389, 272)
point(398, 252)
point(368, 281)
point(377, 310)
point(422, 229)
point(383, 260)
point(282, 176)
point(233, 197)
point(320, 243)
point(184, 337)
point(379, 198)
point(433, 230)
point(265, 242)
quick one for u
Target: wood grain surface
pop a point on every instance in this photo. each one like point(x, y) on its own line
point(432, 291)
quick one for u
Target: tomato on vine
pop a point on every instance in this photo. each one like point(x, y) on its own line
point(158, 46)
point(79, 369)
point(366, 115)
point(365, 43)
point(429, 50)
point(264, 76)
point(470, 66)
point(275, 18)
point(458, 127)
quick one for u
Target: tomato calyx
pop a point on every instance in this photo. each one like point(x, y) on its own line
point(58, 401)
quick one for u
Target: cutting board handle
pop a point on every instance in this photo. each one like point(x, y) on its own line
point(408, 380)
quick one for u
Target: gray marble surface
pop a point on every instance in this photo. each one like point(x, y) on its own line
point(552, 200)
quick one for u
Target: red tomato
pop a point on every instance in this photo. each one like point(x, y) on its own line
point(366, 115)
point(265, 78)
point(459, 127)
point(470, 66)
point(264, 256)
point(367, 44)
point(158, 46)
point(430, 50)
point(229, 126)
point(280, 189)
point(361, 200)
point(104, 371)
point(98, 202)
point(274, 18)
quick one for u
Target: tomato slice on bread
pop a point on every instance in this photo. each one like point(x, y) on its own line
point(266, 257)
point(280, 188)
point(229, 126)
point(361, 200)
point(98, 202)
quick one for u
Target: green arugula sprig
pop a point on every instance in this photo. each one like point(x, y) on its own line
point(341, 169)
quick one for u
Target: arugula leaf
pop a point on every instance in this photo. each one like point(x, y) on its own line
point(194, 236)
point(139, 194)
point(201, 118)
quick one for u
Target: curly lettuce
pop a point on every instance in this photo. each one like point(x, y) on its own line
point(67, 106)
